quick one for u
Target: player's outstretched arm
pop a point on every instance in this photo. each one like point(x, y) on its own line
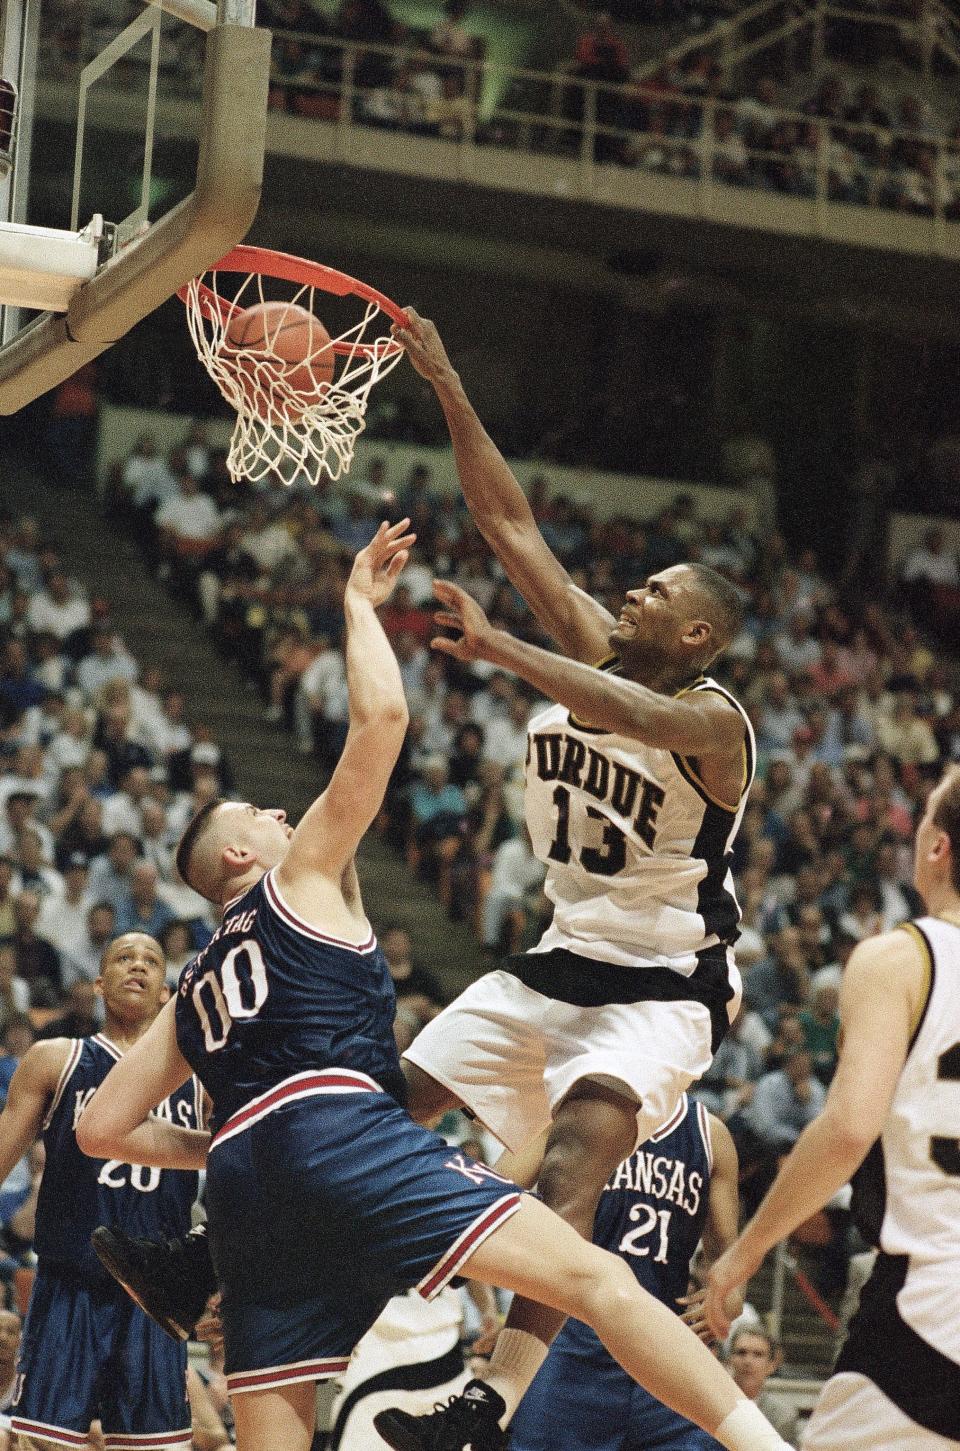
point(722, 1222)
point(499, 507)
point(31, 1092)
point(702, 723)
point(328, 835)
point(116, 1123)
point(884, 987)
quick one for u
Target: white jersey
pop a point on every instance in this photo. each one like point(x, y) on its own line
point(636, 848)
point(907, 1192)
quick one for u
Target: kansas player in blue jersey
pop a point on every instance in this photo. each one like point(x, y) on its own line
point(324, 1197)
point(87, 1351)
point(679, 1187)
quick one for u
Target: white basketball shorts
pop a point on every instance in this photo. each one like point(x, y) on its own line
point(852, 1414)
point(512, 1056)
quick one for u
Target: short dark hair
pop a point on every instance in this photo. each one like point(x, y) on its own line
point(188, 841)
point(947, 817)
point(762, 1333)
point(725, 597)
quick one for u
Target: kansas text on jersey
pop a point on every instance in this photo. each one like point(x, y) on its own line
point(77, 1193)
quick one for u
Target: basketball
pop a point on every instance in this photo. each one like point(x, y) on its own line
point(292, 335)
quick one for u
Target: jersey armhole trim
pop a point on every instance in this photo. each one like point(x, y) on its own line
point(930, 972)
point(685, 764)
point(703, 1119)
point(66, 1073)
point(282, 909)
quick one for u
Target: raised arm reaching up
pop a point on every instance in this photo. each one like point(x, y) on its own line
point(499, 507)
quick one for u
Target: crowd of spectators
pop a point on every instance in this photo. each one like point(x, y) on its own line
point(862, 146)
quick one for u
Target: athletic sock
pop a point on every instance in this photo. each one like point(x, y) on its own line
point(747, 1429)
point(517, 1356)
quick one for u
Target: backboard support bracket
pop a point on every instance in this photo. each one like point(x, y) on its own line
point(182, 244)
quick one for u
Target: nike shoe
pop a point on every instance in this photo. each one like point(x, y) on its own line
point(471, 1419)
point(170, 1279)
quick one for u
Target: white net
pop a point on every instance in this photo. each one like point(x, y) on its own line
point(288, 423)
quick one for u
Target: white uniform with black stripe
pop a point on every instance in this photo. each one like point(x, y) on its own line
point(634, 982)
point(898, 1376)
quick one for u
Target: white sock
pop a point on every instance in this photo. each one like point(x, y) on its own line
point(516, 1358)
point(747, 1429)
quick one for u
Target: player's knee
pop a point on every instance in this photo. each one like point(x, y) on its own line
point(605, 1290)
point(568, 1183)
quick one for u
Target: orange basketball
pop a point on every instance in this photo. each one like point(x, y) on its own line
point(280, 330)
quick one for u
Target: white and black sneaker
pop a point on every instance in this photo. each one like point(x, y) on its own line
point(471, 1419)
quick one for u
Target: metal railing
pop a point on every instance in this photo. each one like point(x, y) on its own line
point(709, 142)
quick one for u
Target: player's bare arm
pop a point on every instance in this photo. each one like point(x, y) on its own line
point(722, 1222)
point(32, 1089)
point(701, 725)
point(881, 1000)
point(499, 507)
point(325, 842)
point(117, 1122)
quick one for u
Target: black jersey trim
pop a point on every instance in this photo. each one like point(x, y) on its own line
point(868, 1202)
point(716, 903)
point(919, 1379)
point(66, 1073)
point(688, 765)
point(926, 948)
point(421, 1376)
point(588, 982)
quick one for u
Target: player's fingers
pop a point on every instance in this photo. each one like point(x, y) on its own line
point(452, 622)
point(395, 565)
point(446, 646)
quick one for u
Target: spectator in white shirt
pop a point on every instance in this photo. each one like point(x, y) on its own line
point(19, 812)
point(122, 810)
point(57, 609)
point(797, 650)
point(515, 874)
point(63, 918)
point(108, 660)
point(266, 542)
point(493, 701)
point(146, 478)
point(189, 522)
point(505, 738)
point(34, 872)
point(931, 562)
point(82, 956)
point(110, 873)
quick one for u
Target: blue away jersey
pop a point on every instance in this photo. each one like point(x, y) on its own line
point(77, 1192)
point(271, 996)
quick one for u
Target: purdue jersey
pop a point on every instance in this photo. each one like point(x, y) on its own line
point(637, 850)
point(906, 1201)
point(77, 1192)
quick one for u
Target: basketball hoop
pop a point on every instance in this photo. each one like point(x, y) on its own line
point(288, 422)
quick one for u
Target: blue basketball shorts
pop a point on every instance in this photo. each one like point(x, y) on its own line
point(324, 1200)
point(583, 1401)
point(88, 1351)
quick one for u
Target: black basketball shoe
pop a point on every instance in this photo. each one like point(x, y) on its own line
point(170, 1279)
point(469, 1419)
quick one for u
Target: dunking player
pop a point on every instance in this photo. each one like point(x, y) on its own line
point(87, 1351)
point(287, 1018)
point(656, 1206)
point(892, 1122)
point(636, 784)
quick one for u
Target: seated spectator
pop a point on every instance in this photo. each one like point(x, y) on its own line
point(59, 608)
point(37, 960)
point(438, 810)
point(780, 978)
point(63, 917)
point(516, 875)
point(505, 738)
point(34, 873)
point(111, 874)
point(123, 810)
point(179, 947)
point(146, 480)
point(907, 736)
point(931, 562)
point(189, 526)
point(81, 958)
point(753, 1357)
point(141, 909)
point(821, 1030)
point(418, 991)
point(14, 990)
point(83, 1014)
point(783, 1102)
point(7, 894)
point(108, 660)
